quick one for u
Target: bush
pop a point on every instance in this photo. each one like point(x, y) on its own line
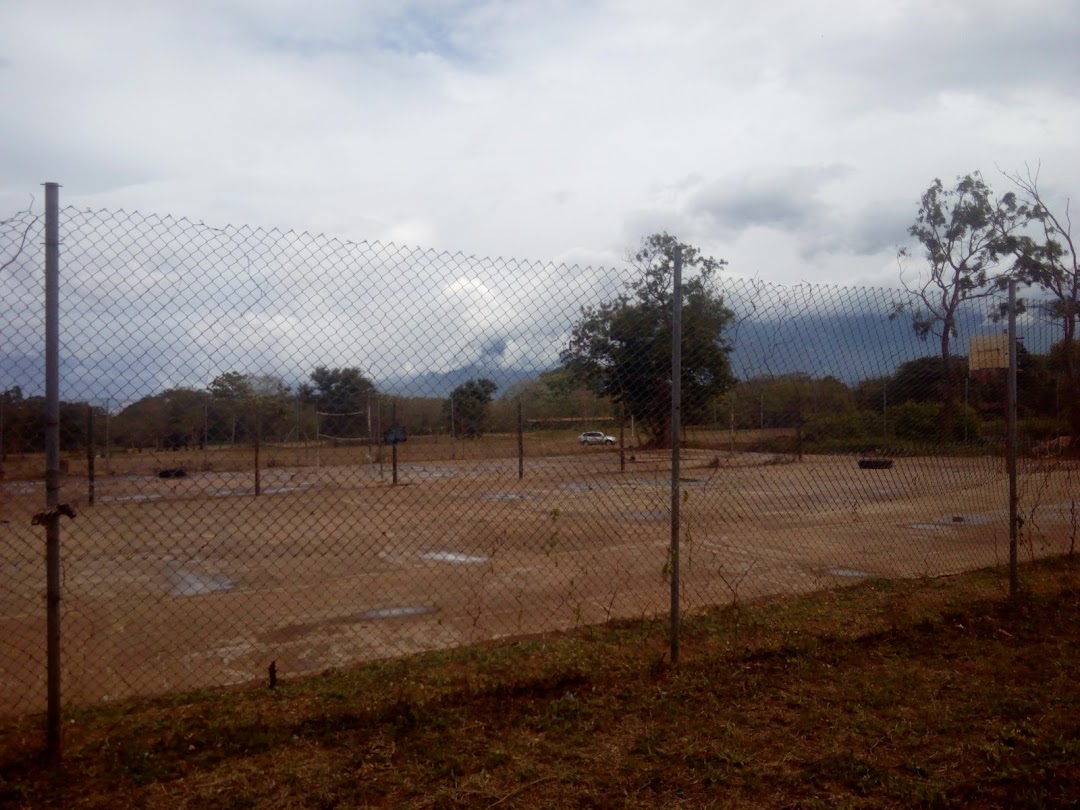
point(855, 427)
point(922, 422)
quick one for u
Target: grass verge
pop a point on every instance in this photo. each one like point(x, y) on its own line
point(887, 694)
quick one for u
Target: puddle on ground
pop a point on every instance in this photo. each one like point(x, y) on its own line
point(654, 514)
point(506, 496)
point(1063, 512)
point(190, 583)
point(395, 612)
point(22, 489)
point(584, 486)
point(954, 521)
point(454, 557)
point(966, 519)
point(847, 572)
point(425, 473)
point(226, 493)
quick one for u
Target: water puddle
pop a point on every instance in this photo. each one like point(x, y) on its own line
point(22, 489)
point(654, 514)
point(506, 496)
point(228, 493)
point(847, 572)
point(454, 557)
point(584, 486)
point(966, 520)
point(190, 583)
point(395, 612)
point(426, 473)
point(954, 521)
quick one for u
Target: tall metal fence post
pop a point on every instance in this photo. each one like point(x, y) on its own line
point(520, 439)
point(89, 454)
point(676, 429)
point(1010, 451)
point(52, 466)
point(394, 440)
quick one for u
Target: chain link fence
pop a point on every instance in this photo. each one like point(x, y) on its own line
point(289, 448)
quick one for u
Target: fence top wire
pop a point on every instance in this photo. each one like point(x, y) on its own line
point(153, 303)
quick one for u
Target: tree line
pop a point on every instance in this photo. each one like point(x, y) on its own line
point(616, 362)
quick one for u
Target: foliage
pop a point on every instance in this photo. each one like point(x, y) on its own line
point(923, 379)
point(343, 393)
point(925, 422)
point(622, 348)
point(22, 423)
point(468, 407)
point(854, 429)
point(965, 233)
point(554, 395)
point(1051, 261)
point(787, 400)
point(248, 406)
point(170, 420)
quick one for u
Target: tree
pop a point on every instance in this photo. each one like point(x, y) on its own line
point(229, 392)
point(622, 348)
point(21, 224)
point(1053, 265)
point(555, 394)
point(170, 420)
point(468, 407)
point(344, 394)
point(966, 233)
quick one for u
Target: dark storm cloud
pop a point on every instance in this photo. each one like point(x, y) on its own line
point(788, 199)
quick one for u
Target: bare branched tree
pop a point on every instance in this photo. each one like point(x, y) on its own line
point(14, 223)
point(1050, 262)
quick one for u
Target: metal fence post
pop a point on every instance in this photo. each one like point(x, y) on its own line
point(89, 454)
point(676, 408)
point(520, 439)
point(52, 466)
point(1010, 451)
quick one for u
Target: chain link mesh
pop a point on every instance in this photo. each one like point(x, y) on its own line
point(317, 452)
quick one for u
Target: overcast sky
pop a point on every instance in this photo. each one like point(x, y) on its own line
point(791, 138)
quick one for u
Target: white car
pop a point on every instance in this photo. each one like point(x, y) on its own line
point(595, 437)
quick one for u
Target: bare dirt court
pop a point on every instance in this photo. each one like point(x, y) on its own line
point(191, 582)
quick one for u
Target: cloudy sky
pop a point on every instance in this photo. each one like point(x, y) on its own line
point(791, 138)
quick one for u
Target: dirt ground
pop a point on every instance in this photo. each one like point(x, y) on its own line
point(170, 584)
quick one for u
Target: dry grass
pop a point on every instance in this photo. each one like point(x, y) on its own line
point(887, 694)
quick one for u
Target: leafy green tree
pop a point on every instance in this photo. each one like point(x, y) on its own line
point(11, 413)
point(345, 393)
point(468, 407)
point(622, 348)
point(169, 421)
point(923, 379)
point(554, 395)
point(229, 392)
point(966, 233)
point(243, 404)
